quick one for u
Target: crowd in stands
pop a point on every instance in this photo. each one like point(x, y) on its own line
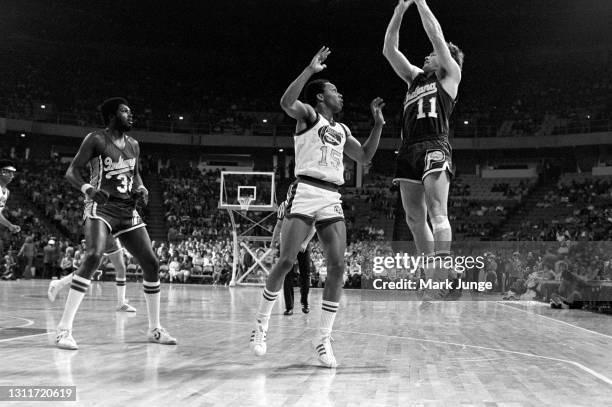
point(579, 210)
point(199, 247)
point(174, 97)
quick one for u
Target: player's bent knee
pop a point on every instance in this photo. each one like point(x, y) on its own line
point(415, 222)
point(285, 263)
point(92, 259)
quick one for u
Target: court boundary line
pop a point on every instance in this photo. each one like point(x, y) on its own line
point(579, 365)
point(553, 319)
point(30, 322)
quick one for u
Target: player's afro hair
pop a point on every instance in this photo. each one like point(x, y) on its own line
point(110, 106)
point(312, 89)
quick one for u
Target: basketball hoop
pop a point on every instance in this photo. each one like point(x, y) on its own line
point(245, 202)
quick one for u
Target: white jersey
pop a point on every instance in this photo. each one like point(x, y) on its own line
point(319, 151)
point(4, 193)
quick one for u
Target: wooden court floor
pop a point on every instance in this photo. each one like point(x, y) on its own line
point(477, 353)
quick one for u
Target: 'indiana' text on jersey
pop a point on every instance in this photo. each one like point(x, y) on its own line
point(427, 110)
point(319, 150)
point(113, 169)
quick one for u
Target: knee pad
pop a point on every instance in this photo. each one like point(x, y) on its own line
point(439, 223)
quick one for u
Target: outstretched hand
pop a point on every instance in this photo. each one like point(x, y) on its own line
point(317, 64)
point(376, 108)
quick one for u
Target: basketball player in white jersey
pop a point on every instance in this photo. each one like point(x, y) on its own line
point(7, 173)
point(114, 252)
point(320, 143)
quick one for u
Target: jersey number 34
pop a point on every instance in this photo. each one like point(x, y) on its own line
point(126, 183)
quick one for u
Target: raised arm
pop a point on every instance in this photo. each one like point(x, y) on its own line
point(364, 153)
point(434, 32)
point(400, 64)
point(290, 103)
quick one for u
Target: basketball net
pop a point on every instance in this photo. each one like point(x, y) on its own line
point(245, 202)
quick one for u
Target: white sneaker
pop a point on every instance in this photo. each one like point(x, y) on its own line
point(160, 335)
point(258, 340)
point(125, 307)
point(54, 289)
point(64, 339)
point(323, 350)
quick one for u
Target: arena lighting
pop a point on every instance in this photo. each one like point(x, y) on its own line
point(588, 116)
point(43, 106)
point(23, 135)
point(396, 152)
point(180, 117)
point(265, 120)
point(280, 150)
point(466, 122)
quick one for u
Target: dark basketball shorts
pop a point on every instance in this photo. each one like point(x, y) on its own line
point(120, 217)
point(416, 161)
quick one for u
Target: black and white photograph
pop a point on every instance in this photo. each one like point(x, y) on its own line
point(296, 203)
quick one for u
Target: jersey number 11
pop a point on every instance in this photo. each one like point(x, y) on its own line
point(432, 105)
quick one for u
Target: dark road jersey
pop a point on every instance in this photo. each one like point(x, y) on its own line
point(114, 168)
point(427, 110)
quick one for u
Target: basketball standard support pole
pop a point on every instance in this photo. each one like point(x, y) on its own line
point(235, 249)
point(241, 241)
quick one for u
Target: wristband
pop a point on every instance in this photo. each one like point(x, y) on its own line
point(85, 187)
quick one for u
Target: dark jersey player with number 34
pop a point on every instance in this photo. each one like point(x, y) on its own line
point(111, 197)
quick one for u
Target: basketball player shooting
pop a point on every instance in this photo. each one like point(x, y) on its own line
point(114, 191)
point(424, 162)
point(320, 142)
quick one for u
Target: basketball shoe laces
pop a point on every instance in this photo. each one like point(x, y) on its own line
point(258, 336)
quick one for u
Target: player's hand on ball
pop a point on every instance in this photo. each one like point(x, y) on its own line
point(141, 197)
point(14, 229)
point(99, 196)
point(317, 64)
point(376, 108)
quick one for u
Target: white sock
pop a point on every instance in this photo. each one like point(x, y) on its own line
point(120, 291)
point(328, 315)
point(152, 297)
point(64, 281)
point(78, 288)
point(265, 307)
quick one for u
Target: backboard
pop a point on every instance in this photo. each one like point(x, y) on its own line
point(258, 186)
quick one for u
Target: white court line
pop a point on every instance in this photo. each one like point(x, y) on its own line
point(25, 336)
point(555, 320)
point(28, 323)
point(532, 355)
point(462, 345)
